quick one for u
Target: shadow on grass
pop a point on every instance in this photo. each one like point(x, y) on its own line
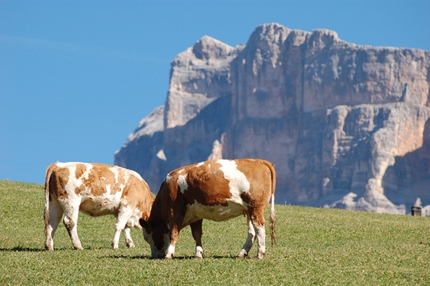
point(22, 249)
point(148, 257)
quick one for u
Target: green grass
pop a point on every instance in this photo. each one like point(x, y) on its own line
point(315, 247)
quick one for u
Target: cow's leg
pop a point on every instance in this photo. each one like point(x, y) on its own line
point(261, 237)
point(196, 230)
point(55, 215)
point(175, 228)
point(249, 240)
point(124, 215)
point(128, 241)
point(174, 235)
point(259, 225)
point(70, 221)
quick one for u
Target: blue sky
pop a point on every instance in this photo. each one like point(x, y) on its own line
point(76, 77)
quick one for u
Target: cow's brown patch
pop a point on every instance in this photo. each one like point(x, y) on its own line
point(80, 170)
point(59, 179)
point(259, 177)
point(136, 196)
point(97, 180)
point(206, 184)
point(100, 177)
point(79, 189)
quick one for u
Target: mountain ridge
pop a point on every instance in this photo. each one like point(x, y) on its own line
point(345, 125)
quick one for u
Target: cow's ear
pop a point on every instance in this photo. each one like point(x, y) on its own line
point(143, 223)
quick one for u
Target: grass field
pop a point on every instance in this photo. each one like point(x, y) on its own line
point(315, 247)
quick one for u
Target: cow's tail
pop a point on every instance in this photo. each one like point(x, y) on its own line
point(47, 180)
point(273, 220)
point(272, 205)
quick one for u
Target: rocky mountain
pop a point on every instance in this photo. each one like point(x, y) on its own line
point(346, 126)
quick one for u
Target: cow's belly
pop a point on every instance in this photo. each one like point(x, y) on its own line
point(198, 211)
point(97, 206)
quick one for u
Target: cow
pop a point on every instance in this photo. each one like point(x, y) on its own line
point(94, 189)
point(217, 190)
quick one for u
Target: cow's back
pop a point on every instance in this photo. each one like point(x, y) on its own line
point(217, 181)
point(97, 188)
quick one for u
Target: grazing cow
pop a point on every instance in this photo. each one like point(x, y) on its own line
point(217, 190)
point(94, 189)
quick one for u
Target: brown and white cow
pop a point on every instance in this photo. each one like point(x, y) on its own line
point(94, 189)
point(217, 190)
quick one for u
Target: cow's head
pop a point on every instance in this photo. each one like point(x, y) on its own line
point(157, 235)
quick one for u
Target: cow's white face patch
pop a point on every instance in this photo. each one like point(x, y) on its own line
point(182, 183)
point(238, 182)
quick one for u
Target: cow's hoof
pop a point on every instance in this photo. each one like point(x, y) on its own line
point(243, 254)
point(130, 245)
point(199, 252)
point(260, 256)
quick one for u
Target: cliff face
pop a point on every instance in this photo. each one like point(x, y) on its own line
point(345, 125)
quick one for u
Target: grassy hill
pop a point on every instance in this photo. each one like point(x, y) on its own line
point(315, 246)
